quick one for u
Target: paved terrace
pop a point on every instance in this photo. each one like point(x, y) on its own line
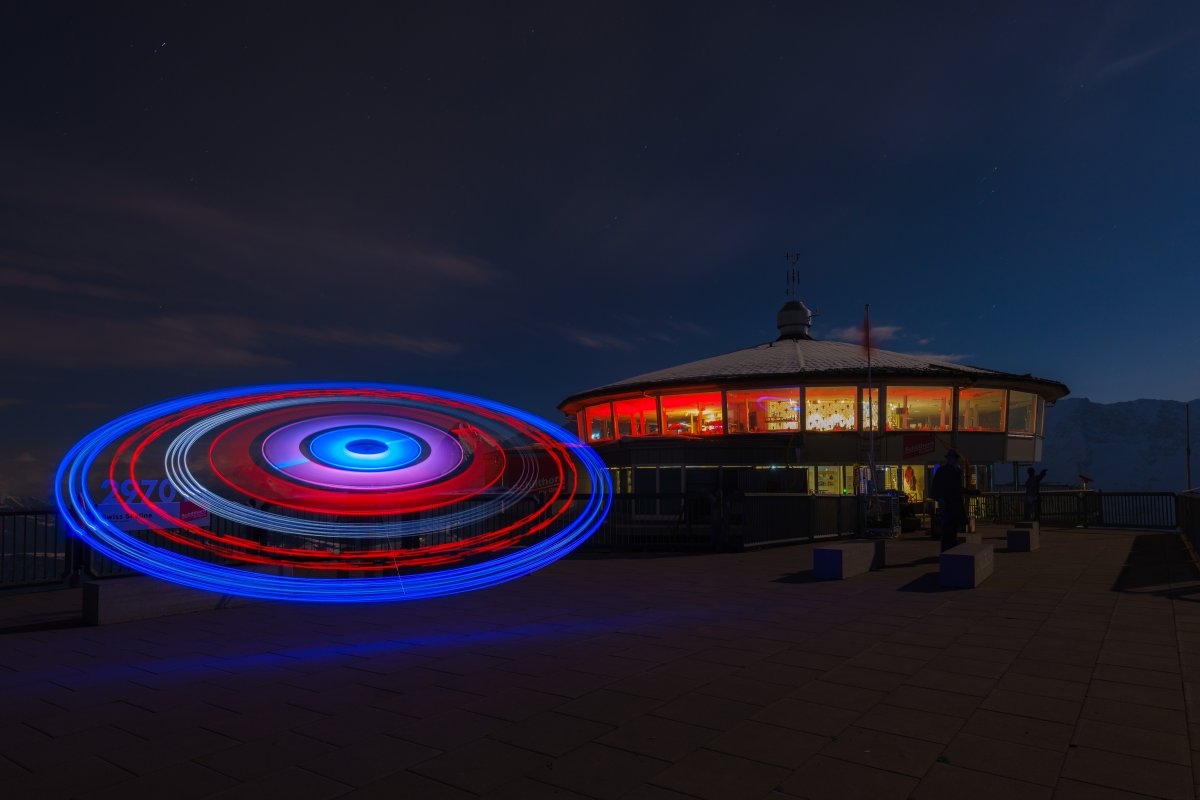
point(1075, 672)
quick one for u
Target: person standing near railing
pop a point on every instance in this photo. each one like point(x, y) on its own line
point(1033, 494)
point(947, 489)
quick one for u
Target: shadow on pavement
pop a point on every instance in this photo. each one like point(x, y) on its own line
point(1160, 564)
point(914, 563)
point(927, 584)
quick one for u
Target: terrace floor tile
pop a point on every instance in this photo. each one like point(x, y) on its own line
point(667, 678)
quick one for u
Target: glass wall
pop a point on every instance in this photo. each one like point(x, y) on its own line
point(637, 417)
point(826, 409)
point(830, 408)
point(697, 413)
point(1041, 417)
point(919, 408)
point(870, 414)
point(763, 410)
point(597, 423)
point(1021, 413)
point(981, 410)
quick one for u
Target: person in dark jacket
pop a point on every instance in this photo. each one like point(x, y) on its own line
point(947, 489)
point(1033, 494)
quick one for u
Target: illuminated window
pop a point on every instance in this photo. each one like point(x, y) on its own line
point(981, 410)
point(637, 417)
point(763, 410)
point(1041, 417)
point(911, 481)
point(887, 478)
point(597, 422)
point(698, 413)
point(1021, 413)
point(919, 408)
point(829, 480)
point(870, 414)
point(830, 408)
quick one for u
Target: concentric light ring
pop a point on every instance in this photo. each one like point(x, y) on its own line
point(571, 506)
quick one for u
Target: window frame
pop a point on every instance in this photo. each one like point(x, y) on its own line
point(951, 412)
point(1003, 409)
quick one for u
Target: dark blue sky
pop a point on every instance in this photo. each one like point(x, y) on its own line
point(524, 203)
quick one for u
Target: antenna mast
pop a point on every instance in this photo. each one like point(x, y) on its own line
point(793, 275)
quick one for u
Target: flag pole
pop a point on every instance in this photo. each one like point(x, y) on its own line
point(870, 399)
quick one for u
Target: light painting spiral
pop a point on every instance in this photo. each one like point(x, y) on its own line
point(333, 492)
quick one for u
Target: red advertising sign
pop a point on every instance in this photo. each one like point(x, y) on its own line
point(917, 444)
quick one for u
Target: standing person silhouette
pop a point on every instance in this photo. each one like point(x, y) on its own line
point(947, 489)
point(1033, 494)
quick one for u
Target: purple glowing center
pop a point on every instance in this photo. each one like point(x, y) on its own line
point(363, 452)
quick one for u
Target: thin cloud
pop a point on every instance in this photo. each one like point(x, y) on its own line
point(668, 331)
point(189, 249)
point(8, 402)
point(598, 341)
point(43, 281)
point(854, 334)
point(1097, 63)
point(183, 341)
point(1134, 60)
point(288, 243)
point(418, 345)
point(689, 328)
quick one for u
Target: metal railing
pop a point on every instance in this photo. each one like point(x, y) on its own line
point(1089, 509)
point(659, 522)
point(1139, 510)
point(36, 551)
point(1189, 517)
point(704, 521)
point(781, 518)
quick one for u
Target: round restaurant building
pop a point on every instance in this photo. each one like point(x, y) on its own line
point(801, 415)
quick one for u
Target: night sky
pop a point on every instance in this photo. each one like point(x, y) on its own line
point(525, 203)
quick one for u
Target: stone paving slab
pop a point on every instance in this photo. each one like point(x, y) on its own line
point(1073, 672)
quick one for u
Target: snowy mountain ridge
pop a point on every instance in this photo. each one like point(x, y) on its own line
point(1134, 446)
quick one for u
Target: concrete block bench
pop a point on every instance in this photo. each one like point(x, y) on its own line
point(1024, 540)
point(845, 560)
point(125, 599)
point(1034, 526)
point(971, 538)
point(965, 566)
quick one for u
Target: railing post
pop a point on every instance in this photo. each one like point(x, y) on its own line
point(75, 559)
